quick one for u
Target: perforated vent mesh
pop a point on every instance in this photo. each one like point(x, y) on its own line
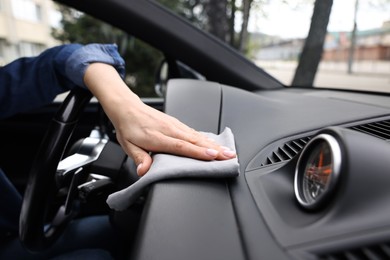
point(374, 252)
point(378, 129)
point(287, 151)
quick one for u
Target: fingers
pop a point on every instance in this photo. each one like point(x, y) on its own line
point(195, 144)
point(203, 149)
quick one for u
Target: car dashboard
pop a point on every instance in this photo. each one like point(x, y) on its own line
point(313, 180)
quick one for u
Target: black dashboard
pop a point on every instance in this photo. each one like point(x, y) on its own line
point(257, 215)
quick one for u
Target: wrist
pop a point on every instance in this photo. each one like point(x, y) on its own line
point(111, 91)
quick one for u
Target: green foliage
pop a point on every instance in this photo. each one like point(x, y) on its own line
point(141, 59)
point(191, 10)
point(195, 11)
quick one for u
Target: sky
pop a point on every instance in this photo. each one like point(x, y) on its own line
point(298, 20)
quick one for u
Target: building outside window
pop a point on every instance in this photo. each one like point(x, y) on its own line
point(26, 10)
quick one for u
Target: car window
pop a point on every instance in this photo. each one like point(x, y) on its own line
point(40, 24)
point(349, 46)
point(272, 34)
point(141, 59)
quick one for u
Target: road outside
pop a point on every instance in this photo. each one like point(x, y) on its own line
point(370, 76)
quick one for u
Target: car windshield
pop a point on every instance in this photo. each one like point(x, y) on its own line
point(348, 46)
point(302, 43)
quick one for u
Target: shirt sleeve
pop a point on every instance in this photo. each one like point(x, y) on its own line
point(32, 82)
point(79, 60)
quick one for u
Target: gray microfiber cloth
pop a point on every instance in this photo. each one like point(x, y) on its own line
point(167, 166)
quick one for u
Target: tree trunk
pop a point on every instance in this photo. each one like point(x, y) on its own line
point(218, 24)
point(314, 44)
point(243, 39)
point(351, 52)
point(232, 18)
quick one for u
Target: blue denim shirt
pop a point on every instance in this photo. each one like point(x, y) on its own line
point(32, 82)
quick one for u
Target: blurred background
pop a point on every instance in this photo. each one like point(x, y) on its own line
point(322, 43)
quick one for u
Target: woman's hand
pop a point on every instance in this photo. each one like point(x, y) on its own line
point(141, 129)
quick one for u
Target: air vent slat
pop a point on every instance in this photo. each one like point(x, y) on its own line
point(290, 149)
point(347, 255)
point(385, 123)
point(268, 161)
point(332, 258)
point(381, 127)
point(286, 152)
point(370, 252)
point(367, 132)
point(386, 249)
point(352, 255)
point(293, 147)
point(377, 130)
point(282, 155)
point(275, 157)
point(289, 153)
point(374, 253)
point(297, 144)
point(303, 141)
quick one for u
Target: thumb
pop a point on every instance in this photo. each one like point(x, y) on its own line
point(141, 158)
point(144, 166)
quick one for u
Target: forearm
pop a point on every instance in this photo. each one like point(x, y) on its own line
point(108, 87)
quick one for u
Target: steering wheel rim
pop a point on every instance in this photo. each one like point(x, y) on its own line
point(41, 184)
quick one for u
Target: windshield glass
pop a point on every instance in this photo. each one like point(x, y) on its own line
point(332, 44)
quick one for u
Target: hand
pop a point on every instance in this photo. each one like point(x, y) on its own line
point(141, 129)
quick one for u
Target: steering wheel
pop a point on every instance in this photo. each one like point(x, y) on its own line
point(34, 232)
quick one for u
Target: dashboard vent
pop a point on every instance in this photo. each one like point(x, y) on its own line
point(378, 129)
point(374, 252)
point(287, 151)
